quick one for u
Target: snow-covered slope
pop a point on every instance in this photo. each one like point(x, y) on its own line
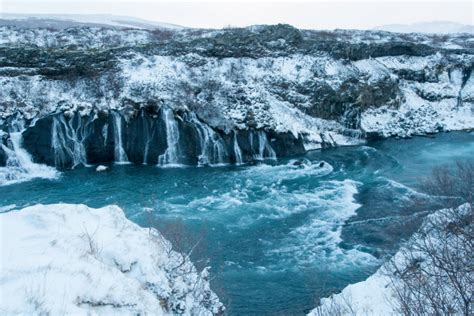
point(61, 21)
point(304, 89)
point(377, 296)
point(70, 259)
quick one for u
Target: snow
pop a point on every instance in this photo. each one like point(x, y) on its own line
point(437, 105)
point(72, 259)
point(375, 296)
point(278, 92)
point(367, 298)
point(417, 116)
point(101, 168)
point(94, 19)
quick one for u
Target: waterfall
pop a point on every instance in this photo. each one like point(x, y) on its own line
point(213, 150)
point(105, 133)
point(20, 167)
point(203, 158)
point(170, 156)
point(146, 131)
point(265, 150)
point(147, 149)
point(119, 153)
point(237, 151)
point(218, 152)
point(69, 141)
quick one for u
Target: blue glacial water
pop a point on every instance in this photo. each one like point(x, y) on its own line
point(278, 237)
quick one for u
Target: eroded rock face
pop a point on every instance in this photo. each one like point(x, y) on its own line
point(67, 142)
point(3, 154)
point(301, 88)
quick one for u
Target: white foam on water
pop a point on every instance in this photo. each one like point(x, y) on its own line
point(225, 203)
point(292, 170)
point(318, 240)
point(248, 203)
point(170, 157)
point(256, 194)
point(173, 165)
point(20, 166)
point(323, 210)
point(409, 194)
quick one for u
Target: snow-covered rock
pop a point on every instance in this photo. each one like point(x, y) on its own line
point(71, 259)
point(101, 168)
point(371, 297)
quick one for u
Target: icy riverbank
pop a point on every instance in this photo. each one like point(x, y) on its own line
point(72, 259)
point(438, 244)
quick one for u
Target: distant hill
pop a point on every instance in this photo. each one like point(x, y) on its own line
point(439, 27)
point(61, 21)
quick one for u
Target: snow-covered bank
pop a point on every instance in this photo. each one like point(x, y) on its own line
point(72, 259)
point(371, 297)
point(440, 236)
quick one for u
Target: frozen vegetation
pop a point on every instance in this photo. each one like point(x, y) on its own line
point(441, 250)
point(70, 259)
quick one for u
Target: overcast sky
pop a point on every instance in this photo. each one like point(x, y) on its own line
point(304, 14)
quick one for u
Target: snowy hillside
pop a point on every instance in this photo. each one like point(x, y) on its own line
point(378, 295)
point(194, 96)
point(71, 259)
point(61, 21)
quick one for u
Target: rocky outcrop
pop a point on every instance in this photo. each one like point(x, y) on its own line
point(161, 138)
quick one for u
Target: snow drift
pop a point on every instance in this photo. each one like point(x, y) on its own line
point(72, 259)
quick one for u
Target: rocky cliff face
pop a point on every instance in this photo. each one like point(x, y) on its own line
point(93, 95)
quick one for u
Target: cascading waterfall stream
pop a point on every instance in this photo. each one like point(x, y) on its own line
point(265, 150)
point(21, 158)
point(65, 136)
point(166, 140)
point(105, 133)
point(119, 153)
point(237, 151)
point(146, 131)
point(20, 166)
point(170, 156)
point(213, 151)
